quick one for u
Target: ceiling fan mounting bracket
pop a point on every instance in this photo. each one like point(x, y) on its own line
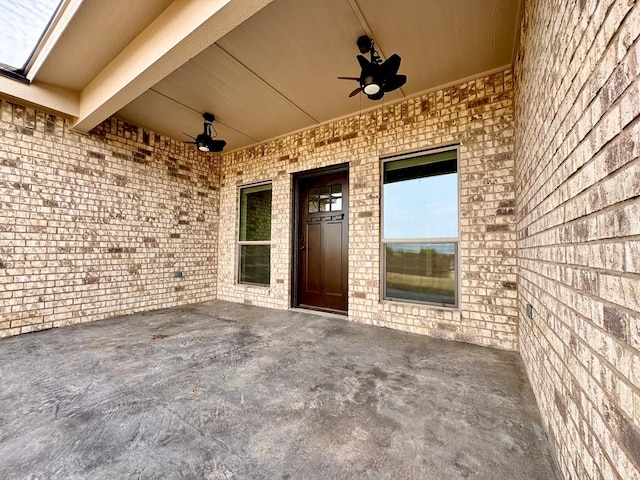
point(208, 117)
point(364, 44)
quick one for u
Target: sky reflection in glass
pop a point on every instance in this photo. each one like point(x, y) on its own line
point(422, 208)
point(22, 23)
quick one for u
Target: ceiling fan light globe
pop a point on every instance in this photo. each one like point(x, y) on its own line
point(203, 143)
point(371, 88)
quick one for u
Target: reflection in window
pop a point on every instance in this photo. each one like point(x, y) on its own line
point(336, 197)
point(22, 24)
point(325, 198)
point(255, 235)
point(255, 264)
point(314, 200)
point(423, 272)
point(420, 229)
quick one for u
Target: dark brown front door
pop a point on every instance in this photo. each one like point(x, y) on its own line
point(322, 241)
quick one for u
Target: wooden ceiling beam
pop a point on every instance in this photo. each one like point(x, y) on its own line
point(182, 31)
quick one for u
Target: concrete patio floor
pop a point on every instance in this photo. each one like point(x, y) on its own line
point(224, 391)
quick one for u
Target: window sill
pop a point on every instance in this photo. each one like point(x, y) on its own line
point(427, 306)
point(254, 285)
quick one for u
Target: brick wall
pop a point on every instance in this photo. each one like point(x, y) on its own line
point(479, 116)
point(96, 225)
point(578, 210)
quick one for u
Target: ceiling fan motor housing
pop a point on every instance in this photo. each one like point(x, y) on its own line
point(370, 85)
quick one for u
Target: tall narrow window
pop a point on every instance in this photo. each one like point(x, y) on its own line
point(420, 228)
point(255, 235)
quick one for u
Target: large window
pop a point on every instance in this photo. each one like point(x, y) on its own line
point(420, 228)
point(255, 235)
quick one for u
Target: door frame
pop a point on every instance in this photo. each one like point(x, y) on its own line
point(298, 178)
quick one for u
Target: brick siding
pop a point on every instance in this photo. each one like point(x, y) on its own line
point(578, 210)
point(479, 116)
point(96, 225)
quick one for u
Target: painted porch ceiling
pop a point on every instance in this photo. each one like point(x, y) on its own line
point(276, 72)
point(98, 33)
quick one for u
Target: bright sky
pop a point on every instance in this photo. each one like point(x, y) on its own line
point(22, 22)
point(422, 208)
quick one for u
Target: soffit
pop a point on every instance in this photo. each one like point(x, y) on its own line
point(149, 103)
point(276, 72)
point(300, 50)
point(444, 40)
point(215, 82)
point(98, 32)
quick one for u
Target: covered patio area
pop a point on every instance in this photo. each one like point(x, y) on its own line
point(219, 390)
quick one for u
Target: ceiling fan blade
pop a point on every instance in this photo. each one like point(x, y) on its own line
point(188, 136)
point(355, 92)
point(364, 63)
point(348, 78)
point(217, 145)
point(394, 82)
point(391, 65)
point(190, 142)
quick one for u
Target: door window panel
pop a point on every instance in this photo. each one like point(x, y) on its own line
point(336, 197)
point(327, 198)
point(314, 200)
